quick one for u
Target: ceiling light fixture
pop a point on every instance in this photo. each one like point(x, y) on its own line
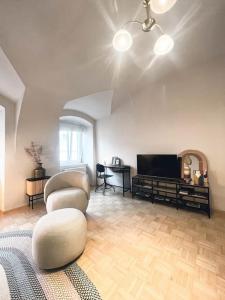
point(162, 6)
point(163, 45)
point(122, 40)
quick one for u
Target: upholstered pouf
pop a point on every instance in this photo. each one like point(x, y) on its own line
point(58, 238)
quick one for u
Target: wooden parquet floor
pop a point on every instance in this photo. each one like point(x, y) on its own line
point(139, 250)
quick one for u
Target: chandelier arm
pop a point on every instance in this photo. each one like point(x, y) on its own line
point(159, 27)
point(133, 21)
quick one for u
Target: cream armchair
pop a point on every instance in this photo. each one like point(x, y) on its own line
point(69, 189)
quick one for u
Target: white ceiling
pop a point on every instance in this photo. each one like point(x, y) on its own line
point(66, 48)
point(97, 106)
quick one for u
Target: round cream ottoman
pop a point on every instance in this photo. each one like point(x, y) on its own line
point(58, 238)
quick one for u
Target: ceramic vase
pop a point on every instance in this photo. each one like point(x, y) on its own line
point(39, 172)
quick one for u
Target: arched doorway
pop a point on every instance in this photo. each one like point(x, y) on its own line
point(2, 155)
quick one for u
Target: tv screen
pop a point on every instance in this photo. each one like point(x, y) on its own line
point(163, 165)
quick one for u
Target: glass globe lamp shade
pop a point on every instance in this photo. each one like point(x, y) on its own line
point(163, 45)
point(122, 40)
point(162, 6)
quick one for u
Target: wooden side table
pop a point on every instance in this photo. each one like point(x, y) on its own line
point(35, 189)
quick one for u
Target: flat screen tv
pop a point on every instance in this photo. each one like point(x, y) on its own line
point(161, 165)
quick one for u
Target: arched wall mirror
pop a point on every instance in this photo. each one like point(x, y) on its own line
point(194, 166)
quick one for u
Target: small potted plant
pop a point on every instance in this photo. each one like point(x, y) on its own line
point(35, 152)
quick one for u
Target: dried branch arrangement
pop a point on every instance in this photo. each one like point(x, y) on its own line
point(34, 152)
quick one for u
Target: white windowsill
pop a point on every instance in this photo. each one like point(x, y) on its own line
point(71, 166)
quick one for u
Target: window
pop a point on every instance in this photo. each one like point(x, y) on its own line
point(70, 144)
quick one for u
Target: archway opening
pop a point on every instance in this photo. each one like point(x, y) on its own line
point(2, 155)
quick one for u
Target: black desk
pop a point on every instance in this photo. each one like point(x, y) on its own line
point(124, 170)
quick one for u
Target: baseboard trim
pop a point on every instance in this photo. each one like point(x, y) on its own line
point(12, 209)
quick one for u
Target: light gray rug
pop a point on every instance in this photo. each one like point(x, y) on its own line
point(21, 279)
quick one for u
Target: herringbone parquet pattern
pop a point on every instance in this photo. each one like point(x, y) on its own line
point(139, 250)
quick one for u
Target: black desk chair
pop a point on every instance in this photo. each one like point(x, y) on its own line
point(100, 173)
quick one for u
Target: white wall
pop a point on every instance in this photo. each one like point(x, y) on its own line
point(89, 152)
point(38, 122)
point(11, 85)
point(185, 111)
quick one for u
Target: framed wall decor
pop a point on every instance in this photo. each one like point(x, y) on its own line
point(116, 161)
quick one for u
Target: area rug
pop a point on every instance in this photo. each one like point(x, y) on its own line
point(20, 278)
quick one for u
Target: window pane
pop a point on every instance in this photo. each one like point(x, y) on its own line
point(70, 146)
point(63, 144)
point(74, 146)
